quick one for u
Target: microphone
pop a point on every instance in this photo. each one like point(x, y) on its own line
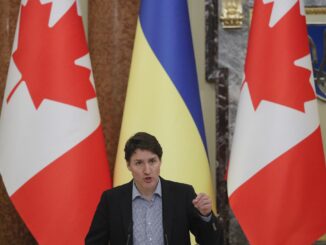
point(129, 232)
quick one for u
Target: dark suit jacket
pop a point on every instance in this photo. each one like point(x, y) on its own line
point(113, 217)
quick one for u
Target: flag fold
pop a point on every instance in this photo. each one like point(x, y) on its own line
point(52, 152)
point(163, 95)
point(277, 171)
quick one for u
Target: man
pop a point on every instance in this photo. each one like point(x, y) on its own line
point(149, 209)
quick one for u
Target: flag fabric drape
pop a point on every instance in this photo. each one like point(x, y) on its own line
point(277, 172)
point(163, 97)
point(52, 153)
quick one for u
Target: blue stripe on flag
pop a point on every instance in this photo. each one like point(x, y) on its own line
point(166, 27)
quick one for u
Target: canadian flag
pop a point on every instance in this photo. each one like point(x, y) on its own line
point(277, 172)
point(52, 152)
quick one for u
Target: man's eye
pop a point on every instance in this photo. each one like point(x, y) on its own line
point(137, 163)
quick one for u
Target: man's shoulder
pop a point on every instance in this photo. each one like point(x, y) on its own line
point(176, 185)
point(118, 190)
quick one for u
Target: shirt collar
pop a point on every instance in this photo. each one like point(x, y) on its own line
point(136, 193)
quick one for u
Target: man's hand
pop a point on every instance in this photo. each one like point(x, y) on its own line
point(203, 203)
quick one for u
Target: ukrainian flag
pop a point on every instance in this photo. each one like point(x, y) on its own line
point(163, 96)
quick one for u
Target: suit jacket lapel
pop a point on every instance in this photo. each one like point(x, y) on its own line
point(167, 203)
point(126, 209)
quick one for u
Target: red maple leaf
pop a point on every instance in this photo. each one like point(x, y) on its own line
point(45, 56)
point(270, 71)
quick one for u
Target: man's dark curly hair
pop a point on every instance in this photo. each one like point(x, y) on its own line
point(143, 141)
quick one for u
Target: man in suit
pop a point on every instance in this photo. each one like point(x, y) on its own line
point(150, 209)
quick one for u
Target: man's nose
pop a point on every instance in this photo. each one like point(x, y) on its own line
point(147, 168)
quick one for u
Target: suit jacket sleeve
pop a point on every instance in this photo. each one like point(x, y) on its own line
point(206, 233)
point(99, 232)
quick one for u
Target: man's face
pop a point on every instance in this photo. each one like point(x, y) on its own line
point(145, 168)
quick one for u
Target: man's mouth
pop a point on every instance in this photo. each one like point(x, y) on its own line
point(148, 179)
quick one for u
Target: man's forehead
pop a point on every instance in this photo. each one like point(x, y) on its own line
point(143, 151)
point(141, 158)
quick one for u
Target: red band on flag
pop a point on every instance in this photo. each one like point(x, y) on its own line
point(58, 203)
point(276, 206)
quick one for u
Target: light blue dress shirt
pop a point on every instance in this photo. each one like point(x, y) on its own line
point(147, 218)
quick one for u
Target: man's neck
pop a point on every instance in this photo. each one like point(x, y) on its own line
point(147, 194)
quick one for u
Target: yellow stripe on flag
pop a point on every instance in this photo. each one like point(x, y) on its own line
point(154, 105)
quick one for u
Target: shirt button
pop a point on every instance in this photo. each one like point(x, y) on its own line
point(150, 239)
point(149, 223)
